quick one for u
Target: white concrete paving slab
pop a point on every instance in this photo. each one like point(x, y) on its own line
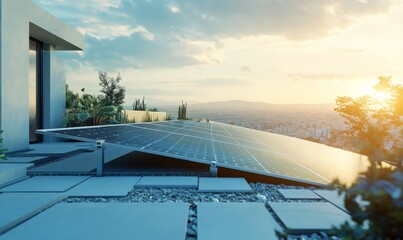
point(168, 181)
point(104, 187)
point(18, 207)
point(80, 163)
point(217, 221)
point(45, 184)
point(333, 197)
point(22, 159)
point(12, 171)
point(298, 194)
point(223, 185)
point(309, 217)
point(151, 221)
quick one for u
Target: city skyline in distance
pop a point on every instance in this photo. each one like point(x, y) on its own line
point(240, 105)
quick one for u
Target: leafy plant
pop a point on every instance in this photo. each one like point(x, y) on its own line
point(375, 200)
point(74, 118)
point(168, 117)
point(121, 117)
point(154, 109)
point(384, 107)
point(98, 111)
point(2, 150)
point(72, 98)
point(112, 91)
point(356, 113)
point(89, 110)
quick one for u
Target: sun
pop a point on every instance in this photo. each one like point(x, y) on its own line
point(381, 97)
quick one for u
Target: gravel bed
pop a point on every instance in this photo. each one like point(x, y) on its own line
point(261, 193)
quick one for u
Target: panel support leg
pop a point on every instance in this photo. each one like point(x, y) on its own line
point(101, 159)
point(213, 169)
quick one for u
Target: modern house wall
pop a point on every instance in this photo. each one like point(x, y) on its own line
point(20, 21)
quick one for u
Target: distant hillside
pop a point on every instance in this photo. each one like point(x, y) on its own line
point(238, 105)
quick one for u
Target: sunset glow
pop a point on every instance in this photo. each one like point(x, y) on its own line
point(382, 97)
point(270, 51)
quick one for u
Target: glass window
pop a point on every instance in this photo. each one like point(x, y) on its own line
point(35, 120)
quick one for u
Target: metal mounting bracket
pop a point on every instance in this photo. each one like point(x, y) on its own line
point(99, 144)
point(213, 169)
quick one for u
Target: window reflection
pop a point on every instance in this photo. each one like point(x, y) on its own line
point(33, 75)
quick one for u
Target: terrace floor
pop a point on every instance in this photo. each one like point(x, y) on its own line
point(56, 195)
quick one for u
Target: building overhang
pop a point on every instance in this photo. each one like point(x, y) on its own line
point(23, 17)
point(57, 42)
point(48, 29)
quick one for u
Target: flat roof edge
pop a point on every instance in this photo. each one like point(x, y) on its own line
point(49, 29)
point(58, 42)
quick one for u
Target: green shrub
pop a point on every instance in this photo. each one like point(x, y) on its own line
point(375, 200)
point(89, 110)
point(153, 109)
point(121, 117)
point(168, 117)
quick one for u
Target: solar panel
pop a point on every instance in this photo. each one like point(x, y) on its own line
point(230, 146)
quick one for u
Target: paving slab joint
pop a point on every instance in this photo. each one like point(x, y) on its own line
point(191, 232)
point(14, 181)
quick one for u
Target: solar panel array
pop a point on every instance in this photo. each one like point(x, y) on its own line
point(230, 146)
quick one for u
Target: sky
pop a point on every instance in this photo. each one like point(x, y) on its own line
point(275, 51)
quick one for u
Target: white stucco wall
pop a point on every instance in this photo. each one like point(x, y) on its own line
point(54, 88)
point(140, 116)
point(21, 19)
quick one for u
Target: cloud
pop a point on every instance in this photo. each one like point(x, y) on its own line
point(322, 77)
point(174, 82)
point(174, 9)
point(166, 34)
point(302, 19)
point(88, 5)
point(152, 92)
point(350, 50)
point(112, 31)
point(245, 68)
point(223, 82)
point(136, 51)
